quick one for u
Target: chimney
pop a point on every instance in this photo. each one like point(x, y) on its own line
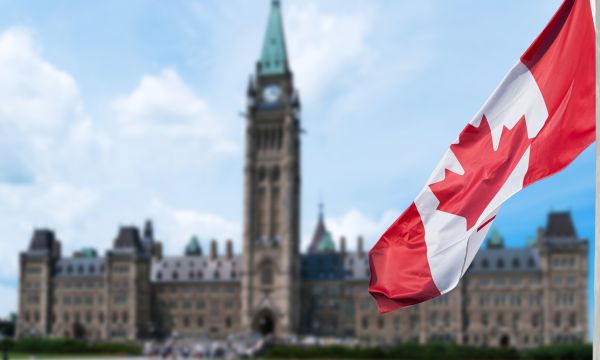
point(343, 245)
point(148, 230)
point(359, 246)
point(213, 249)
point(229, 249)
point(157, 251)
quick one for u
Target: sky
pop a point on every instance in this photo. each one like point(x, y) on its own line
point(113, 112)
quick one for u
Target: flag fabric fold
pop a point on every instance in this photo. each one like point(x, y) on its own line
point(540, 118)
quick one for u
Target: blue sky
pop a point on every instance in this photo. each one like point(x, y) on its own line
point(112, 112)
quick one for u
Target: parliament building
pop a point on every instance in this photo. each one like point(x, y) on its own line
point(520, 297)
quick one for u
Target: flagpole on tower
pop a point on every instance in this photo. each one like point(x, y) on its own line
point(596, 328)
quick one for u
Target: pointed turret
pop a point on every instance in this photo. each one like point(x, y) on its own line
point(193, 247)
point(495, 240)
point(322, 242)
point(273, 60)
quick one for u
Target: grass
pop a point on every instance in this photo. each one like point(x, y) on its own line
point(15, 355)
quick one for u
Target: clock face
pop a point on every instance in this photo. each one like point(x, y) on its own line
point(271, 93)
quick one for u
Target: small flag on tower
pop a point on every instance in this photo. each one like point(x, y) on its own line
point(540, 118)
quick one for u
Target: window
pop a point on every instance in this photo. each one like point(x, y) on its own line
point(266, 273)
point(447, 319)
point(381, 322)
point(484, 319)
point(557, 319)
point(397, 322)
point(535, 320)
point(365, 322)
point(516, 263)
point(228, 322)
point(433, 319)
point(200, 321)
point(573, 319)
point(485, 264)
point(500, 263)
point(500, 319)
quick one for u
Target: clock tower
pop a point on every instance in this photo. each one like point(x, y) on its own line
point(271, 258)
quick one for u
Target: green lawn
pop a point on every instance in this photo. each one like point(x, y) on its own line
point(62, 356)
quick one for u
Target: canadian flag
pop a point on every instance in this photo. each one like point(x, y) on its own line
point(540, 118)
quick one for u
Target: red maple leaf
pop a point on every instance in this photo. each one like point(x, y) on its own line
point(485, 170)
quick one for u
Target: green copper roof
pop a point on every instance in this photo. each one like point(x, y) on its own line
point(326, 243)
point(274, 56)
point(495, 240)
point(193, 247)
point(88, 253)
point(531, 242)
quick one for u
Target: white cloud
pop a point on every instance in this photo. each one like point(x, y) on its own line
point(324, 47)
point(34, 95)
point(181, 224)
point(64, 203)
point(354, 223)
point(164, 105)
point(41, 113)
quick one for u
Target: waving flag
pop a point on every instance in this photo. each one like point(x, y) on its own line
point(540, 118)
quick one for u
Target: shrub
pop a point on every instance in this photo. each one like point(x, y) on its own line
point(560, 352)
point(41, 345)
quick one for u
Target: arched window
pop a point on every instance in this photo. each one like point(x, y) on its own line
point(500, 263)
point(275, 173)
point(266, 273)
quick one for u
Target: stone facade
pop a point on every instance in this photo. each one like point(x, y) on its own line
point(509, 297)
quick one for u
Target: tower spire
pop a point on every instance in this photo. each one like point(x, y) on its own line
point(273, 60)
